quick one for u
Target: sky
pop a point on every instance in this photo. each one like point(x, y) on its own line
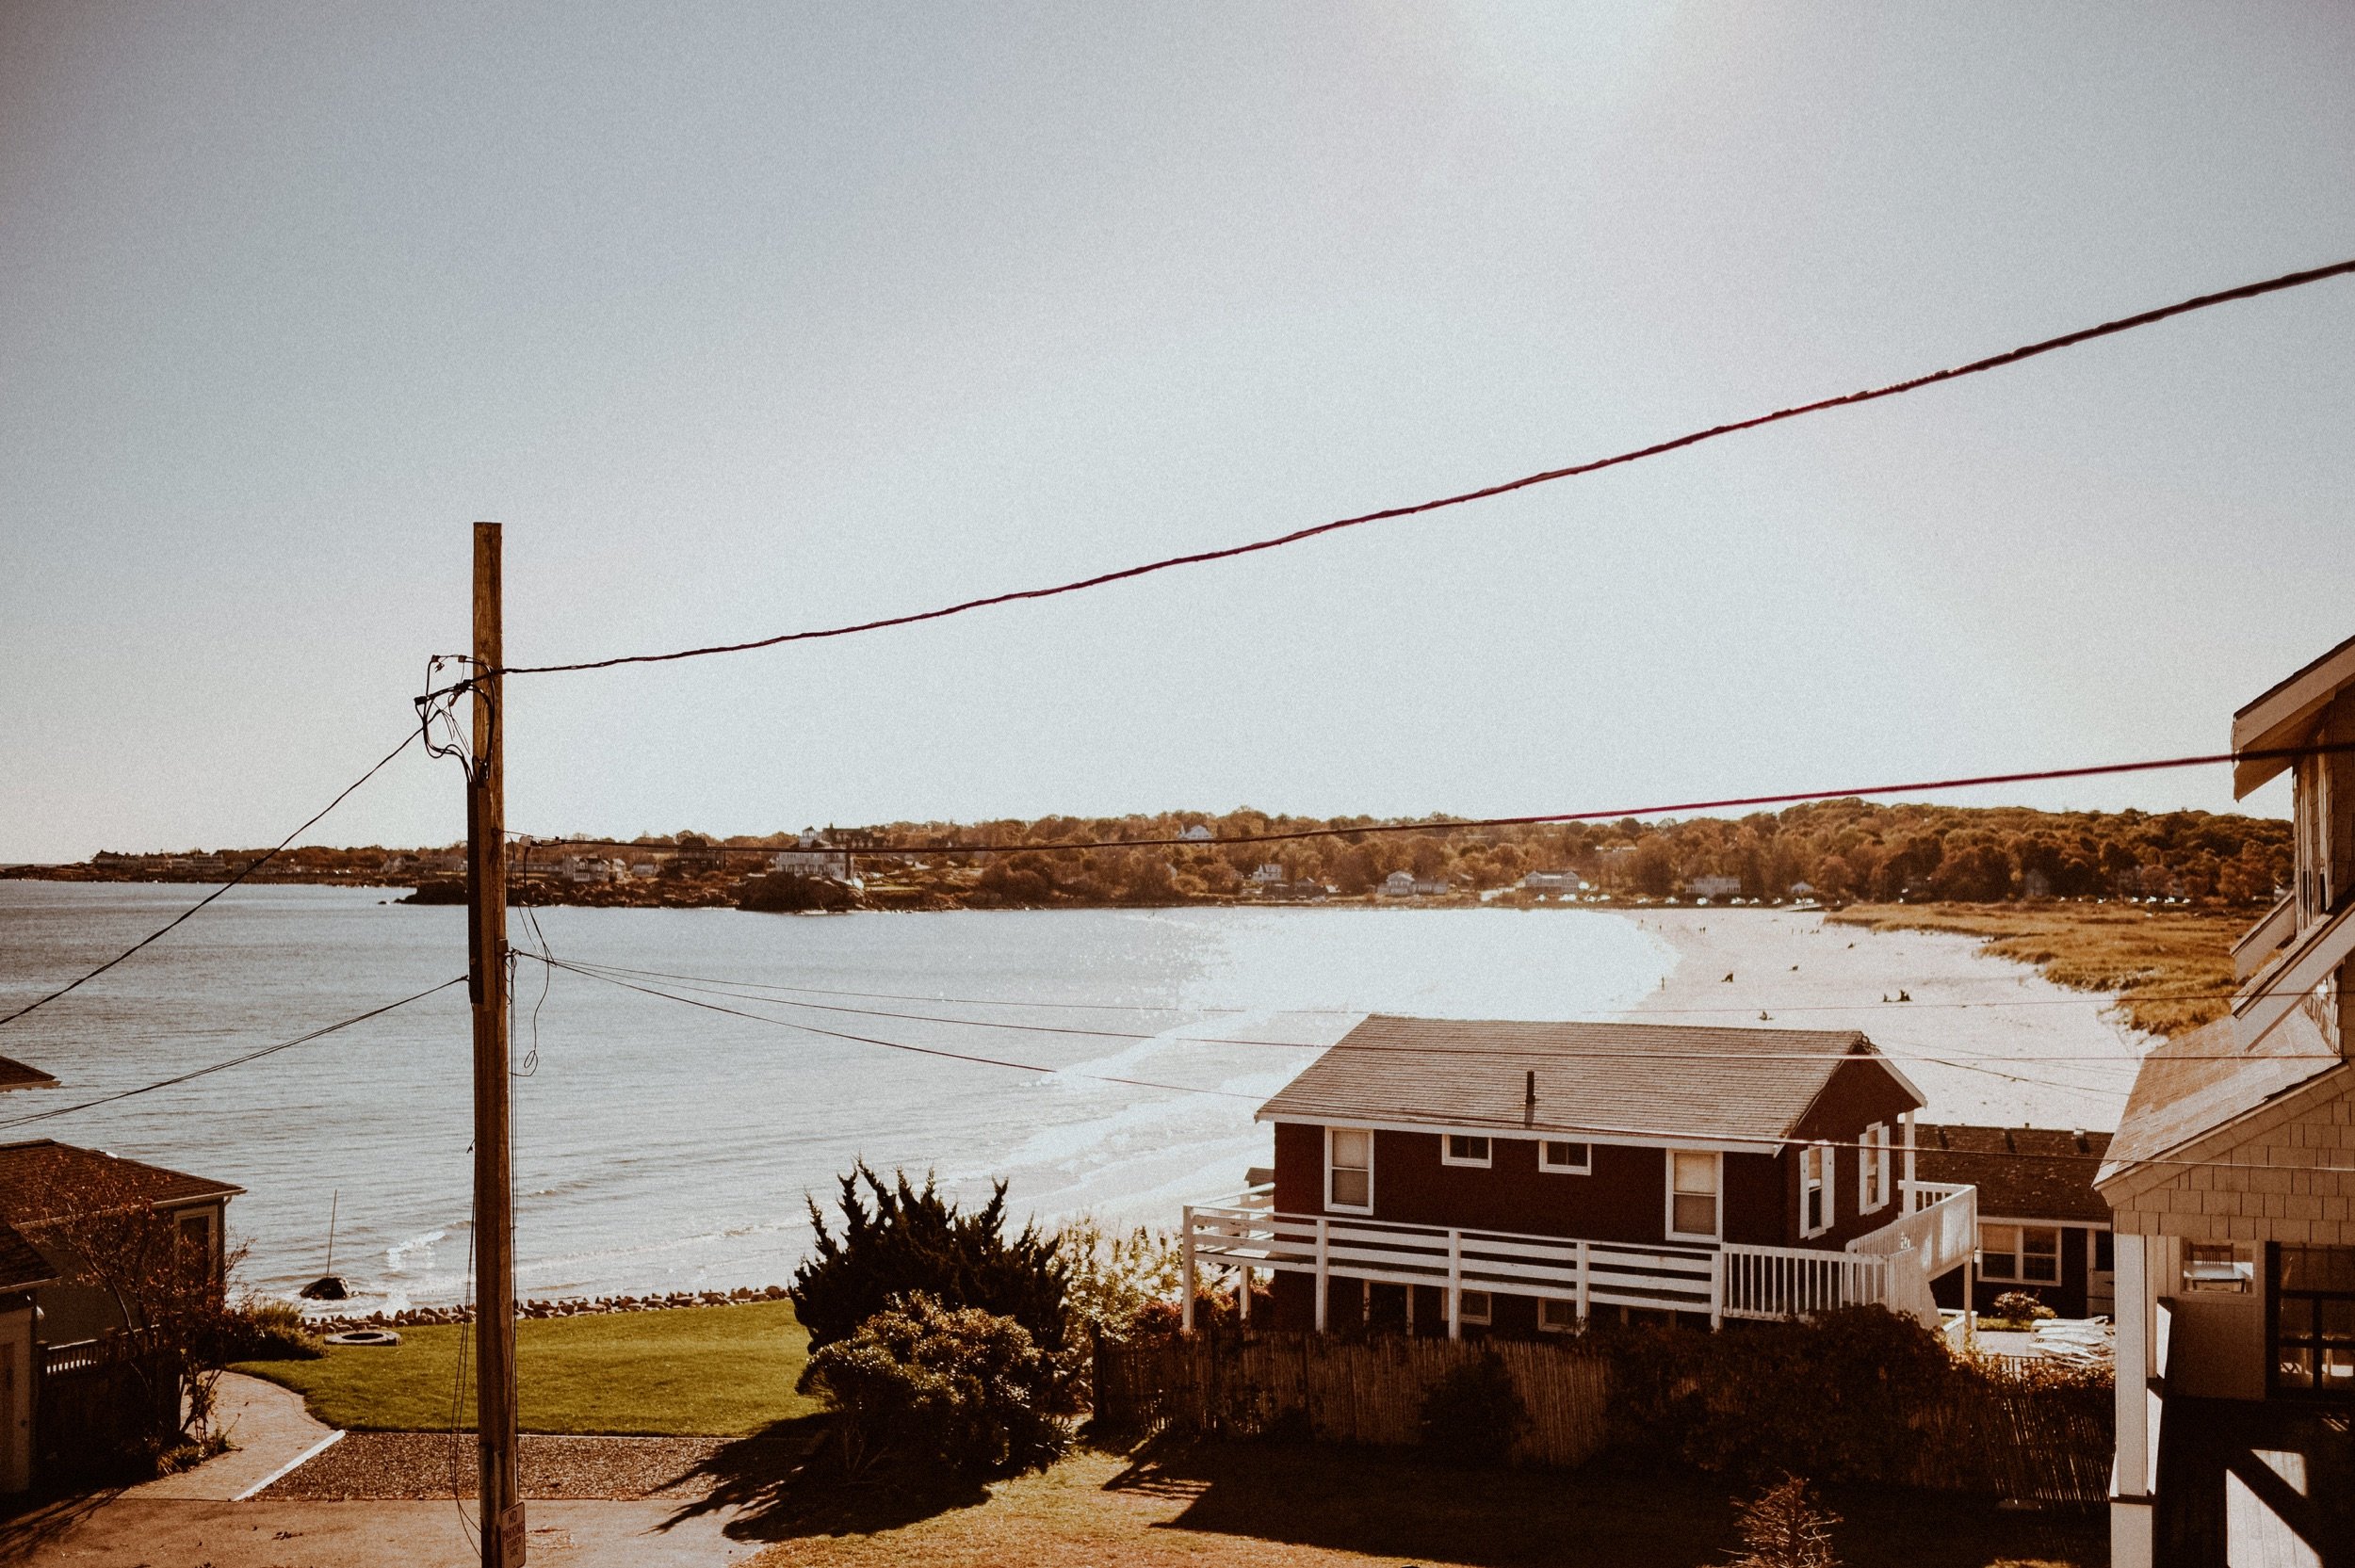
point(745, 319)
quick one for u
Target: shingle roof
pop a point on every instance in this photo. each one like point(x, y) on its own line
point(1669, 1080)
point(43, 1179)
point(20, 1265)
point(2022, 1173)
point(2196, 1083)
point(16, 1074)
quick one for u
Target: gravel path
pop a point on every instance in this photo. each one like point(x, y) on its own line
point(430, 1465)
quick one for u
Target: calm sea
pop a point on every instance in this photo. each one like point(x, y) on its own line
point(661, 1146)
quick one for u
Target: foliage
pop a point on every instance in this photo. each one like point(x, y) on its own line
point(1830, 1396)
point(2022, 1306)
point(1215, 1311)
point(261, 1328)
point(1783, 1527)
point(928, 1391)
point(1111, 1277)
point(1474, 1416)
point(165, 1287)
point(910, 1240)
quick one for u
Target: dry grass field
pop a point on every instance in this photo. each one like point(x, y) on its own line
point(2172, 967)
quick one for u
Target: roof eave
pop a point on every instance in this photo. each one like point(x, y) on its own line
point(2281, 716)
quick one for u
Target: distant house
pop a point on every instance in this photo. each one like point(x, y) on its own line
point(1399, 884)
point(1801, 890)
point(1712, 886)
point(1436, 1177)
point(591, 868)
point(1266, 874)
point(41, 1307)
point(2042, 1228)
point(813, 855)
point(1429, 887)
point(2232, 1185)
point(1196, 833)
point(1554, 882)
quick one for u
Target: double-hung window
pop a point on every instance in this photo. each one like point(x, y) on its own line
point(1874, 1175)
point(1815, 1185)
point(1693, 1194)
point(1464, 1149)
point(1566, 1157)
point(1349, 1168)
point(2028, 1255)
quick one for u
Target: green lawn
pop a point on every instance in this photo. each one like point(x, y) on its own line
point(721, 1370)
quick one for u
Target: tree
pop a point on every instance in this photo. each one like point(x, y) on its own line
point(911, 1239)
point(939, 1392)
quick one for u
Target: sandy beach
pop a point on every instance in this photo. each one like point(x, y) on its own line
point(1987, 1039)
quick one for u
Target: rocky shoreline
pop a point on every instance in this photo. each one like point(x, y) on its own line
point(564, 1306)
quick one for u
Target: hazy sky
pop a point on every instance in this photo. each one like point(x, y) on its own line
point(752, 318)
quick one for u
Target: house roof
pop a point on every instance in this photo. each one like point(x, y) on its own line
point(17, 1075)
point(42, 1179)
point(2285, 714)
point(2022, 1173)
point(2199, 1083)
point(1642, 1079)
point(21, 1266)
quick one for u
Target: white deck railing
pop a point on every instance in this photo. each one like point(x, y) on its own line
point(1892, 1268)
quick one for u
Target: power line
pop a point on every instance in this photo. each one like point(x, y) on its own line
point(234, 1062)
point(2012, 356)
point(2208, 759)
point(256, 865)
point(1594, 1129)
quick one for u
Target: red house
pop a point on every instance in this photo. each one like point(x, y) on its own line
point(1438, 1176)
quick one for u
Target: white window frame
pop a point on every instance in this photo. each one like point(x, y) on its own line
point(1873, 1171)
point(1466, 1313)
point(2019, 1274)
point(1337, 1208)
point(2234, 1276)
point(1585, 1168)
point(1718, 1195)
point(203, 1218)
point(1481, 1162)
point(1823, 1181)
point(1569, 1314)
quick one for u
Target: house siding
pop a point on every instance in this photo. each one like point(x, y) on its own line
point(1858, 1096)
point(2272, 1189)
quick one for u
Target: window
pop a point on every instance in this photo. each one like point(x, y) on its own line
point(1874, 1175)
point(2313, 1339)
point(1575, 1158)
point(196, 1234)
point(1473, 1306)
point(1557, 1316)
point(2222, 1266)
point(1463, 1149)
point(1691, 1193)
point(1349, 1168)
point(1815, 1170)
point(2028, 1254)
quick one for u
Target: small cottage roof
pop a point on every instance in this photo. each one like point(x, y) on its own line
point(2199, 1083)
point(17, 1075)
point(1593, 1080)
point(21, 1266)
point(2284, 715)
point(43, 1179)
point(2022, 1173)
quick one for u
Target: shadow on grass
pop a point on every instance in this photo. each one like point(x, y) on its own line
point(779, 1488)
point(1614, 1513)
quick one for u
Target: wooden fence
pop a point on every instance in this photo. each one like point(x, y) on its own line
point(2001, 1432)
point(1342, 1390)
point(99, 1400)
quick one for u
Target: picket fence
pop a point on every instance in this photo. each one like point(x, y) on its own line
point(2001, 1433)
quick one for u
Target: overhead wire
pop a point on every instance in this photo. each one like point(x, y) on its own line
point(1693, 438)
point(249, 870)
point(193, 1075)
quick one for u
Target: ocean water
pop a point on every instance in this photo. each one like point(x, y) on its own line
point(664, 1146)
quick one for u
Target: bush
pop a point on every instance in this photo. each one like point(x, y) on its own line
point(2022, 1306)
point(914, 1241)
point(259, 1329)
point(1782, 1527)
point(935, 1393)
point(1112, 1280)
point(1473, 1415)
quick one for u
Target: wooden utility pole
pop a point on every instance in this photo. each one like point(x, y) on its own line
point(502, 1511)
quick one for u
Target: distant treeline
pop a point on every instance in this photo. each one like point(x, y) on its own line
point(1838, 849)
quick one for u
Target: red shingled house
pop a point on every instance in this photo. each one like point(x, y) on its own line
point(2042, 1227)
point(1438, 1176)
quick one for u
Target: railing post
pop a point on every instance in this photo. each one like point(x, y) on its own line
point(1185, 1273)
point(1242, 1294)
point(1717, 1291)
point(1585, 1268)
point(1324, 1276)
point(1455, 1285)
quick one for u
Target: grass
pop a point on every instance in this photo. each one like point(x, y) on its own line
point(1224, 1506)
point(722, 1370)
point(2173, 968)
